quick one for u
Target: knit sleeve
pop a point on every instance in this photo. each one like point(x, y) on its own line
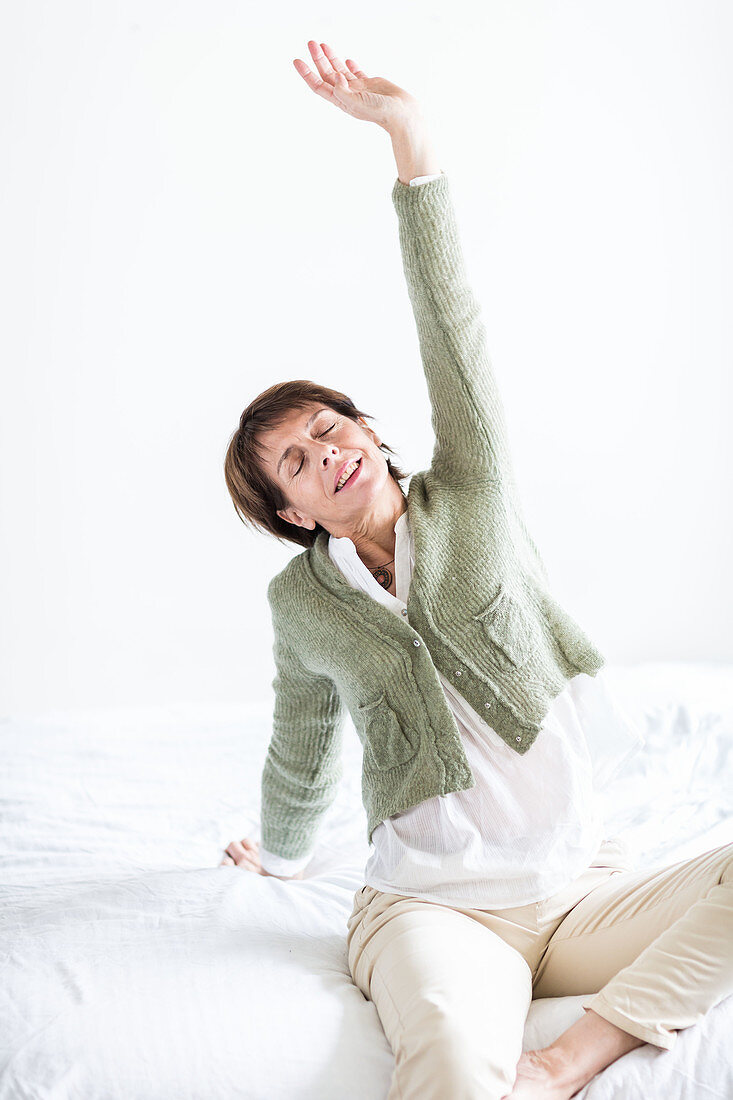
point(467, 415)
point(303, 766)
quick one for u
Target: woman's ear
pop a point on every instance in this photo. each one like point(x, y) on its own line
point(291, 516)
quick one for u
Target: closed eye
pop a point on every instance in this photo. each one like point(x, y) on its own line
point(318, 437)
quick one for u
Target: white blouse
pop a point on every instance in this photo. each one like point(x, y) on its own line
point(532, 823)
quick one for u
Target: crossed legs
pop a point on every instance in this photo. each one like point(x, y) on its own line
point(452, 987)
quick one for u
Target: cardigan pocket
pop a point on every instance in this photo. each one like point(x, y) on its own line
point(385, 742)
point(508, 628)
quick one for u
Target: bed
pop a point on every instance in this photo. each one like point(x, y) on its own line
point(135, 967)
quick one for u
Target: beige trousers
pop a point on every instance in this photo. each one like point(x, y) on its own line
point(452, 986)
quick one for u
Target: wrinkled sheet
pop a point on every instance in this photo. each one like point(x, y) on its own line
point(133, 966)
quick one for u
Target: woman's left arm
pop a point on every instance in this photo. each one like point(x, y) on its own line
point(471, 438)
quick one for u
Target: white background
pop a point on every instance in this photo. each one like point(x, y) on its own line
point(185, 223)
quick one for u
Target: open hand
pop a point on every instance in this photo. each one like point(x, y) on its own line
point(370, 98)
point(243, 853)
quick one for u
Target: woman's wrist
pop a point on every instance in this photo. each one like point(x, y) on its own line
point(413, 150)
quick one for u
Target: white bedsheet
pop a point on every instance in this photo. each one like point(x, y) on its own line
point(132, 966)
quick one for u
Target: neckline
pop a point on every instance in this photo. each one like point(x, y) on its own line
point(346, 538)
point(344, 549)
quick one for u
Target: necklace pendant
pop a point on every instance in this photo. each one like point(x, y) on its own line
point(383, 576)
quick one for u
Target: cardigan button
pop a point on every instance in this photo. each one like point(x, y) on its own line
point(458, 672)
point(487, 705)
point(416, 642)
point(519, 739)
point(404, 610)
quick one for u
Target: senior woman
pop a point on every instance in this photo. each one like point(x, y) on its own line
point(485, 717)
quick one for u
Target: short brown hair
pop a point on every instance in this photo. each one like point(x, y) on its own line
point(256, 498)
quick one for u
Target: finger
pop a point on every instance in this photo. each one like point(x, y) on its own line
point(322, 63)
point(314, 82)
point(336, 62)
point(341, 87)
point(227, 862)
point(249, 842)
point(355, 69)
point(236, 851)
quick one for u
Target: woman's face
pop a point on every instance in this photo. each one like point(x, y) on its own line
point(305, 457)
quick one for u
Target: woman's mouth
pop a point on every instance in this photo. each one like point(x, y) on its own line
point(352, 476)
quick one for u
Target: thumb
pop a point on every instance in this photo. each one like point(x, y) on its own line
point(342, 84)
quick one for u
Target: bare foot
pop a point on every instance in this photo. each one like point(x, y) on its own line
point(542, 1075)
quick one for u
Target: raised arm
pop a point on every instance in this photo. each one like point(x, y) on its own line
point(471, 441)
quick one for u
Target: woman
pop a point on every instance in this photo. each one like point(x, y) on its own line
point(483, 709)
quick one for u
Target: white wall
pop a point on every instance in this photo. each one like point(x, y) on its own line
point(185, 223)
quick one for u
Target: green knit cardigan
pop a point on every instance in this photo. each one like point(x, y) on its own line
point(479, 610)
